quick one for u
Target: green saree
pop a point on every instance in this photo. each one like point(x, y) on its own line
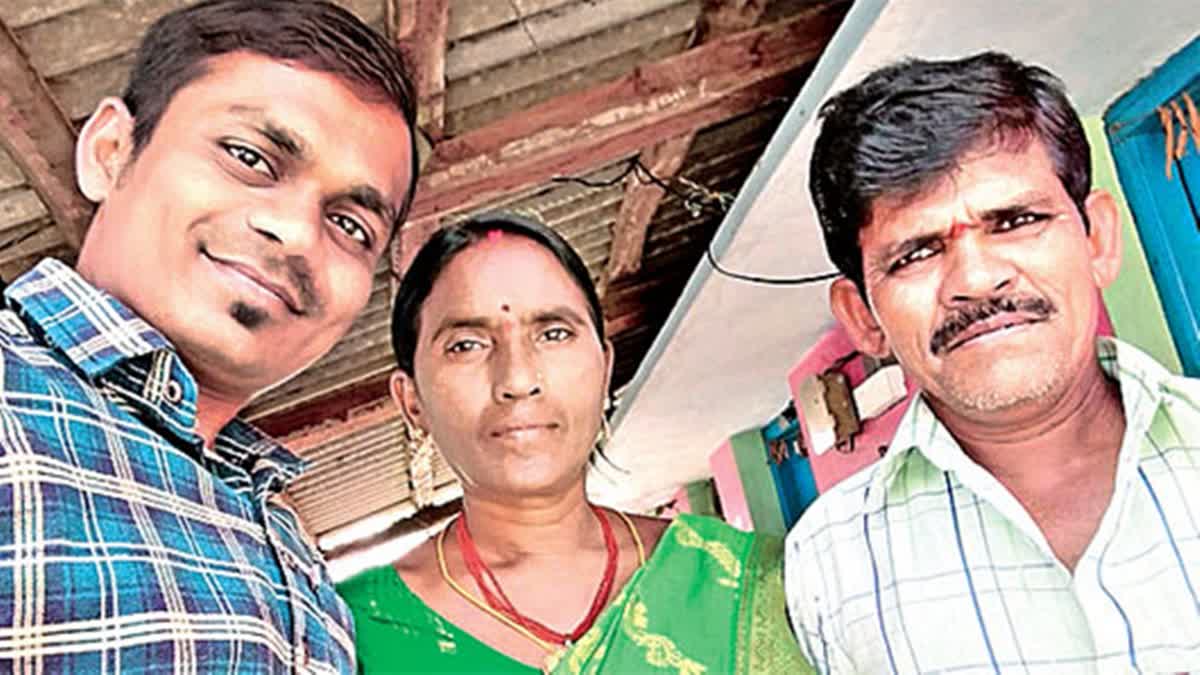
point(709, 600)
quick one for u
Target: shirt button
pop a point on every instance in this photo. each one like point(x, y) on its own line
point(172, 391)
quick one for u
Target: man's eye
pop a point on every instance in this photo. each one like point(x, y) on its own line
point(353, 229)
point(463, 346)
point(250, 157)
point(557, 334)
point(1019, 221)
point(912, 257)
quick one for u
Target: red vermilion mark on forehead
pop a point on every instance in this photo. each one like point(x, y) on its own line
point(493, 236)
point(505, 308)
point(958, 228)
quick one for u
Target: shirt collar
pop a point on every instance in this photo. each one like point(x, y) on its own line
point(106, 341)
point(271, 466)
point(93, 329)
point(1142, 381)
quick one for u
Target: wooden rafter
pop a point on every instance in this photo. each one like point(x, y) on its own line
point(419, 30)
point(364, 417)
point(38, 136)
point(334, 408)
point(642, 197)
point(624, 322)
point(720, 18)
point(641, 201)
point(585, 130)
point(723, 17)
point(409, 240)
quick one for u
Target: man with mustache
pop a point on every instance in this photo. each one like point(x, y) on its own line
point(1039, 506)
point(247, 184)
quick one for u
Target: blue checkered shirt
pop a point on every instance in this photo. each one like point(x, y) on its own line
point(125, 545)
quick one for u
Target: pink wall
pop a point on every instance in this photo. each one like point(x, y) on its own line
point(679, 504)
point(834, 465)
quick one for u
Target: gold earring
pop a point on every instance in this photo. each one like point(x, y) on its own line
point(421, 451)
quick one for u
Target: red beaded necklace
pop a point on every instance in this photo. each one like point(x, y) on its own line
point(497, 600)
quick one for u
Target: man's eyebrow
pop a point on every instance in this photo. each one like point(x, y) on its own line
point(287, 141)
point(904, 246)
point(371, 199)
point(1016, 206)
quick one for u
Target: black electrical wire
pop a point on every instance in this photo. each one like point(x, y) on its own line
point(698, 203)
point(768, 281)
point(630, 167)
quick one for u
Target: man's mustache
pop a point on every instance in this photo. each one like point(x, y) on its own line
point(962, 318)
point(295, 270)
point(298, 272)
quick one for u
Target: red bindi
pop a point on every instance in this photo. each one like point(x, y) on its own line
point(957, 229)
point(493, 236)
point(504, 308)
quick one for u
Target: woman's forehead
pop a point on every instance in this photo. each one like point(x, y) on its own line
point(504, 274)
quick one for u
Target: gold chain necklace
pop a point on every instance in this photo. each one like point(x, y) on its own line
point(485, 608)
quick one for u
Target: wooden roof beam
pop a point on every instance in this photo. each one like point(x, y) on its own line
point(585, 130)
point(723, 17)
point(336, 407)
point(419, 30)
point(536, 27)
point(408, 241)
point(39, 137)
point(642, 197)
point(368, 415)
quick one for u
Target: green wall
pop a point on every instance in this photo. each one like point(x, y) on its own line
point(750, 453)
point(1132, 300)
point(702, 499)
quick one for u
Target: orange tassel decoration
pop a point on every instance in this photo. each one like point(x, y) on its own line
point(1194, 118)
point(1164, 116)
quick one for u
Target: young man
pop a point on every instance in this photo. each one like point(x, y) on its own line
point(247, 184)
point(1037, 511)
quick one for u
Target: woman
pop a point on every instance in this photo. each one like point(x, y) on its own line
point(502, 358)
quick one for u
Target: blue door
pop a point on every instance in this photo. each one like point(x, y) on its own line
point(1165, 208)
